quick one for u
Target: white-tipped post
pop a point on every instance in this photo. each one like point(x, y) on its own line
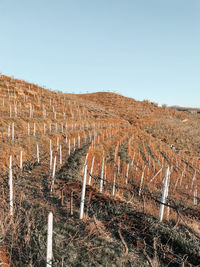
point(49, 239)
point(57, 143)
point(38, 154)
point(74, 144)
point(164, 194)
point(69, 147)
point(50, 153)
point(127, 170)
point(83, 192)
point(31, 111)
point(195, 196)
point(79, 141)
point(91, 170)
point(141, 182)
point(28, 129)
point(9, 131)
point(101, 176)
point(21, 154)
point(11, 186)
point(60, 154)
point(193, 179)
point(114, 182)
point(118, 166)
point(53, 174)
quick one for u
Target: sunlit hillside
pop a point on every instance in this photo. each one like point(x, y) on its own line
point(128, 152)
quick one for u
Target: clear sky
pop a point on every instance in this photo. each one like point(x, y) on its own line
point(145, 49)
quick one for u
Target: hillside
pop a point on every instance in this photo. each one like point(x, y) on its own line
point(46, 140)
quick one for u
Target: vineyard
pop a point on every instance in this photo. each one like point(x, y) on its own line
point(96, 180)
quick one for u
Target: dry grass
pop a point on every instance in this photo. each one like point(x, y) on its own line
point(121, 130)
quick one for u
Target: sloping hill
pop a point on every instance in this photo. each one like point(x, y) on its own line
point(51, 136)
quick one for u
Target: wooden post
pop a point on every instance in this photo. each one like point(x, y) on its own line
point(57, 143)
point(21, 153)
point(60, 154)
point(118, 166)
point(49, 240)
point(79, 141)
point(133, 159)
point(9, 131)
point(91, 170)
point(51, 159)
point(71, 203)
point(69, 146)
point(164, 193)
point(195, 196)
point(127, 169)
point(38, 154)
point(74, 144)
point(28, 130)
point(86, 159)
point(30, 111)
point(11, 186)
point(15, 108)
point(193, 179)
point(114, 182)
point(62, 197)
point(101, 176)
point(53, 174)
point(136, 166)
point(167, 193)
point(83, 192)
point(141, 182)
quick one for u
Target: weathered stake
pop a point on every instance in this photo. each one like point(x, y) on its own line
point(114, 182)
point(53, 174)
point(71, 203)
point(11, 186)
point(49, 239)
point(164, 194)
point(83, 192)
point(38, 154)
point(91, 170)
point(141, 182)
point(101, 176)
point(21, 153)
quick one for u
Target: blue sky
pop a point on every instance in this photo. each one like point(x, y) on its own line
point(145, 49)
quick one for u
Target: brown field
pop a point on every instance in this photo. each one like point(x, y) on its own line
point(120, 227)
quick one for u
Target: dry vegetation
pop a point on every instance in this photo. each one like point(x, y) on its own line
point(120, 225)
